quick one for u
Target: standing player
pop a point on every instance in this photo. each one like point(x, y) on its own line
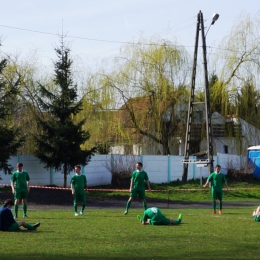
point(154, 216)
point(21, 180)
point(217, 179)
point(137, 186)
point(78, 185)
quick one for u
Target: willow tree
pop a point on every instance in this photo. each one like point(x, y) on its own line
point(150, 79)
point(98, 109)
point(11, 138)
point(236, 63)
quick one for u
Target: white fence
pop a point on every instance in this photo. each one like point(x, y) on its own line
point(160, 169)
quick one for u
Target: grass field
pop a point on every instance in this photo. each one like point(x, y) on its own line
point(108, 234)
point(192, 191)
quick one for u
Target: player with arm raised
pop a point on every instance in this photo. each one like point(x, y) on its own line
point(78, 185)
point(137, 186)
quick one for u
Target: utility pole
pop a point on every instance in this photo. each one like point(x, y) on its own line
point(209, 161)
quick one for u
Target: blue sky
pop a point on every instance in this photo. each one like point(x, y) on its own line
point(109, 23)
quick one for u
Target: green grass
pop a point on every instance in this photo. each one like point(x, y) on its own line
point(192, 191)
point(108, 234)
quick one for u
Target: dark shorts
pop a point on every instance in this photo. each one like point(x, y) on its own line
point(21, 194)
point(14, 227)
point(139, 193)
point(216, 195)
point(79, 197)
point(256, 218)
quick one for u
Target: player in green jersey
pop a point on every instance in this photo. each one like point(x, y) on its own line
point(256, 214)
point(154, 216)
point(20, 184)
point(216, 179)
point(78, 185)
point(137, 186)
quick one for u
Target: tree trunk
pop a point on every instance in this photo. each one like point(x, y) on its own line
point(65, 172)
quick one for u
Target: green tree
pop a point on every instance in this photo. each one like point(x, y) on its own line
point(11, 138)
point(248, 101)
point(150, 81)
point(59, 143)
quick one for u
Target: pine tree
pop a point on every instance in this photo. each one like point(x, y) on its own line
point(11, 138)
point(59, 143)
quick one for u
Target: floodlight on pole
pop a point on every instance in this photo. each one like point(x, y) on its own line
point(214, 19)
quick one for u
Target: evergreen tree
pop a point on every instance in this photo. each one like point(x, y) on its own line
point(11, 138)
point(59, 143)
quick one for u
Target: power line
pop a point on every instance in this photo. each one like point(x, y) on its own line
point(86, 38)
point(113, 41)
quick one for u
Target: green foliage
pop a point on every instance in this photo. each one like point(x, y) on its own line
point(150, 81)
point(59, 142)
point(11, 138)
point(108, 234)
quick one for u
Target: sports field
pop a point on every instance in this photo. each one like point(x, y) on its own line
point(108, 234)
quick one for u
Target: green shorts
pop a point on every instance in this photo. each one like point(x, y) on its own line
point(216, 195)
point(21, 194)
point(256, 218)
point(159, 219)
point(140, 193)
point(79, 197)
point(14, 227)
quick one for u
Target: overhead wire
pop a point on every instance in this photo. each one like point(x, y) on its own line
point(119, 42)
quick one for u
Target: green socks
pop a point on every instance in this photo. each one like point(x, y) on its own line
point(24, 207)
point(145, 205)
point(128, 204)
point(214, 203)
point(16, 210)
point(220, 205)
point(28, 226)
point(75, 207)
point(83, 207)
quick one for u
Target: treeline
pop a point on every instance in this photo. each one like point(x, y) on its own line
point(140, 95)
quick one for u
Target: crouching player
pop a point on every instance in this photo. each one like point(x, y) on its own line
point(7, 222)
point(154, 216)
point(256, 214)
point(78, 185)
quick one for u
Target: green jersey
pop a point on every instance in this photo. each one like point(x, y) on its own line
point(217, 179)
point(156, 217)
point(138, 179)
point(79, 182)
point(20, 179)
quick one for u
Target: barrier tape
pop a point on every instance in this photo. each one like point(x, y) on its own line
point(125, 190)
point(89, 189)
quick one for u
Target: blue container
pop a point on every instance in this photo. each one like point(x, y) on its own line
point(253, 154)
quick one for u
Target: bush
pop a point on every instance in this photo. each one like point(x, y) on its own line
point(121, 170)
